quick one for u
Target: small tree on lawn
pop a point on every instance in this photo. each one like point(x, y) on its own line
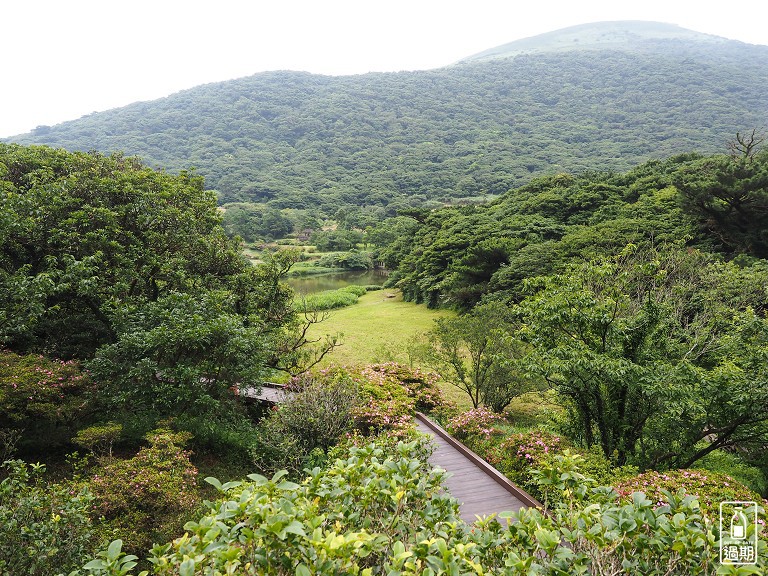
point(479, 353)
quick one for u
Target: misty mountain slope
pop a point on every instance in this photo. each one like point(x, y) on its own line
point(482, 126)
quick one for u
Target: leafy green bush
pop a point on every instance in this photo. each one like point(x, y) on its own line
point(44, 527)
point(356, 290)
point(422, 446)
point(474, 424)
point(317, 411)
point(374, 513)
point(518, 455)
point(45, 398)
point(373, 287)
point(709, 488)
point(144, 499)
point(99, 438)
point(343, 520)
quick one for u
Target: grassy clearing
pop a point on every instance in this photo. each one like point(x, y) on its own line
point(378, 329)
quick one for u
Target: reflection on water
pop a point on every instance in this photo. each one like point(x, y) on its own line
point(320, 282)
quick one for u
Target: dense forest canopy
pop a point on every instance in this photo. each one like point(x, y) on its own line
point(107, 262)
point(478, 128)
point(459, 255)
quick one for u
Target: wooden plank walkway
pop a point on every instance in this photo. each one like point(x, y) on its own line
point(480, 489)
point(270, 393)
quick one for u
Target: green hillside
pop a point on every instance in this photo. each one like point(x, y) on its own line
point(297, 140)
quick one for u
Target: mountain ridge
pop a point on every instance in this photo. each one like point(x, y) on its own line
point(613, 34)
point(297, 140)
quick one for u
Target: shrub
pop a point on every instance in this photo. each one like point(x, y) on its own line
point(393, 393)
point(99, 438)
point(373, 512)
point(315, 414)
point(338, 521)
point(144, 499)
point(422, 446)
point(326, 300)
point(44, 527)
point(474, 424)
point(709, 488)
point(45, 398)
point(372, 287)
point(353, 289)
point(519, 454)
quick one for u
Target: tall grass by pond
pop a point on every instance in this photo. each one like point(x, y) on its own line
point(332, 299)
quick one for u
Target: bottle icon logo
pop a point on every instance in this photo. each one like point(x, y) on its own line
point(738, 532)
point(738, 524)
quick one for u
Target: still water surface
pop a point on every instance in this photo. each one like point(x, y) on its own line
point(320, 282)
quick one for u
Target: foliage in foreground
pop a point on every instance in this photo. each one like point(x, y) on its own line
point(45, 529)
point(372, 514)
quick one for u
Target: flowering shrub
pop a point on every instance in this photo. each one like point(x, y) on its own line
point(710, 488)
point(144, 499)
point(517, 455)
point(418, 385)
point(44, 397)
point(478, 422)
point(386, 403)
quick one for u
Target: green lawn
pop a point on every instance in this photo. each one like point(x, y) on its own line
point(376, 329)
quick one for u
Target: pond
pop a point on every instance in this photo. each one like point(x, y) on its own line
point(320, 282)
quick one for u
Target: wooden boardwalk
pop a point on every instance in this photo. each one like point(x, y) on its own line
point(480, 489)
point(269, 393)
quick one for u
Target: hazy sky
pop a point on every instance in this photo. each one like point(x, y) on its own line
point(66, 58)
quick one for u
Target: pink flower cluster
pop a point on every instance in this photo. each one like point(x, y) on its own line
point(520, 451)
point(476, 422)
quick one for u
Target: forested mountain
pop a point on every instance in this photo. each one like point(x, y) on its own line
point(604, 96)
